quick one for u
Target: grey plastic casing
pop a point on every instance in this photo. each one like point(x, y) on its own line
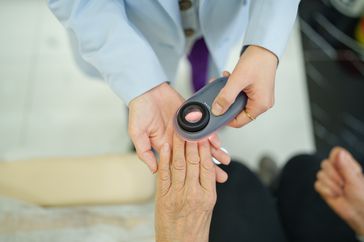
point(205, 97)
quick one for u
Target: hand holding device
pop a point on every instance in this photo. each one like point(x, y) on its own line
point(194, 119)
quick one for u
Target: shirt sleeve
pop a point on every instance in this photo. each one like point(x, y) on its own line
point(109, 42)
point(270, 24)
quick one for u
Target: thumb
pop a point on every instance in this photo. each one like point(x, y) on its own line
point(226, 96)
point(347, 166)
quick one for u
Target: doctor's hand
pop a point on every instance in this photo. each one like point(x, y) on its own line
point(186, 192)
point(255, 75)
point(151, 125)
point(150, 121)
point(340, 182)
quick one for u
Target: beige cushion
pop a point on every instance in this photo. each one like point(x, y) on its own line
point(76, 181)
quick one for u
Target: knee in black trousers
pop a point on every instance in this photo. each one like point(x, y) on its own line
point(245, 209)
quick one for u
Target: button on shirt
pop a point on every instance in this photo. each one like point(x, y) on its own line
point(190, 21)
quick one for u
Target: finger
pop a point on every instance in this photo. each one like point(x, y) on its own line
point(144, 150)
point(164, 175)
point(221, 175)
point(334, 188)
point(334, 152)
point(215, 140)
point(323, 190)
point(243, 118)
point(348, 167)
point(225, 74)
point(333, 174)
point(178, 170)
point(226, 96)
point(193, 164)
point(254, 107)
point(207, 167)
point(220, 155)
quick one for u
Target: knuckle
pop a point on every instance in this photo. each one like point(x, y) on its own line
point(207, 165)
point(164, 177)
point(193, 159)
point(179, 164)
point(163, 170)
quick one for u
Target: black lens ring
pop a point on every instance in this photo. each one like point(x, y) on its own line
point(189, 126)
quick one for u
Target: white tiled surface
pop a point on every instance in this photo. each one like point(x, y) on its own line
point(48, 107)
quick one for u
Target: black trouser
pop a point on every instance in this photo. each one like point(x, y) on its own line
point(247, 211)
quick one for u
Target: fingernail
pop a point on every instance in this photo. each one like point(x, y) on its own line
point(152, 170)
point(216, 161)
point(225, 150)
point(217, 109)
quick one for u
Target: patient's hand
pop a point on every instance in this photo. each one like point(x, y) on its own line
point(341, 184)
point(186, 192)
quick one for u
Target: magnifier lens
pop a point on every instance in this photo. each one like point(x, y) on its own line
point(194, 115)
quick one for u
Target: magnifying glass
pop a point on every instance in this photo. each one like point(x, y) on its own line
point(194, 119)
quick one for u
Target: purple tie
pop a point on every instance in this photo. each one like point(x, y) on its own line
point(198, 58)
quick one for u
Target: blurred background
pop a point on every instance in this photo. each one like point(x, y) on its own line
point(63, 134)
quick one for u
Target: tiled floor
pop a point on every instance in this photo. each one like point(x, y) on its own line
point(48, 107)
